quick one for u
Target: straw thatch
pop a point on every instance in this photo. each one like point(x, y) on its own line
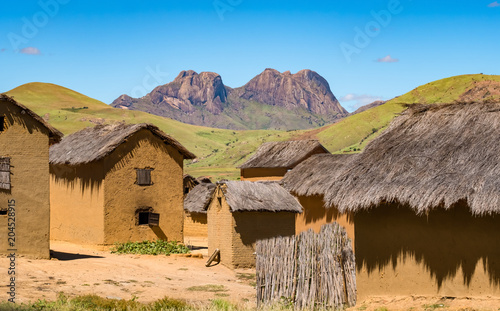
point(259, 197)
point(92, 144)
point(189, 182)
point(314, 175)
point(54, 135)
point(199, 198)
point(430, 156)
point(203, 179)
point(285, 154)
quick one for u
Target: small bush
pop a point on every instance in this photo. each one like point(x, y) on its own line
point(159, 247)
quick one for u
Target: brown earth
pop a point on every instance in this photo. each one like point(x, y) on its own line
point(481, 91)
point(82, 270)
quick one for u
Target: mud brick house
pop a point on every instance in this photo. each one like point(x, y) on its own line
point(273, 159)
point(425, 199)
point(243, 212)
point(117, 183)
point(25, 139)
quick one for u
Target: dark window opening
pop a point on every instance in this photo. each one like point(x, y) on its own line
point(186, 190)
point(2, 124)
point(143, 218)
point(144, 177)
point(3, 212)
point(5, 173)
point(148, 218)
point(220, 201)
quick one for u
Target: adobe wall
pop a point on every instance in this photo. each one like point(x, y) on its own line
point(315, 215)
point(195, 225)
point(220, 229)
point(253, 226)
point(123, 197)
point(446, 253)
point(26, 142)
point(77, 203)
point(255, 174)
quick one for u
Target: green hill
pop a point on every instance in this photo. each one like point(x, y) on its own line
point(354, 132)
point(220, 151)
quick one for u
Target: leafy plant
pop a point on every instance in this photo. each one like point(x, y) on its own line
point(159, 247)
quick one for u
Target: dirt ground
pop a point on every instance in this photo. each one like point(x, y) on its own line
point(78, 270)
point(416, 303)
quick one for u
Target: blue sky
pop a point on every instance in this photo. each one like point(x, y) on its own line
point(366, 50)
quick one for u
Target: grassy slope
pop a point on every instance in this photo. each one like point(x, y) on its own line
point(220, 151)
point(214, 147)
point(355, 131)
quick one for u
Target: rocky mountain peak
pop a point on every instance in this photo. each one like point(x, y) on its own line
point(190, 89)
point(305, 88)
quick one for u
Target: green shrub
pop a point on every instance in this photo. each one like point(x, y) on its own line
point(158, 247)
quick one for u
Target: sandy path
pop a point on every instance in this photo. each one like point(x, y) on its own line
point(82, 270)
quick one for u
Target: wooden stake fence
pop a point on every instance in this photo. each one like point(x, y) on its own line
point(309, 270)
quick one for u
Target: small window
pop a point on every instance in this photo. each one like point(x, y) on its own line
point(2, 123)
point(5, 173)
point(144, 177)
point(148, 218)
point(220, 201)
point(3, 212)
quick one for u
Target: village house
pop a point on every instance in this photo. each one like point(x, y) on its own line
point(309, 181)
point(425, 199)
point(195, 208)
point(274, 159)
point(117, 183)
point(243, 212)
point(25, 139)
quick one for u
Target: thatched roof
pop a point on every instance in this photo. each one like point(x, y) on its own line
point(189, 182)
point(286, 154)
point(247, 196)
point(314, 175)
point(54, 135)
point(430, 156)
point(94, 143)
point(199, 198)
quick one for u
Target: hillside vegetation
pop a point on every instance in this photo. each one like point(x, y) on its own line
point(354, 132)
point(220, 151)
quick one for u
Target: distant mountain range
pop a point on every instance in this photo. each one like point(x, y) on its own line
point(220, 151)
point(271, 100)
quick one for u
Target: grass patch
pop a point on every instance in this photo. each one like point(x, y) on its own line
point(96, 303)
point(208, 288)
point(434, 306)
point(159, 247)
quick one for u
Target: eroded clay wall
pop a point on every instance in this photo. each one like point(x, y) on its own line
point(445, 253)
point(26, 142)
point(123, 197)
point(256, 174)
point(77, 203)
point(252, 226)
point(315, 215)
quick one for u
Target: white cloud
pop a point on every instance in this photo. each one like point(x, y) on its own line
point(494, 4)
point(352, 102)
point(387, 59)
point(30, 51)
